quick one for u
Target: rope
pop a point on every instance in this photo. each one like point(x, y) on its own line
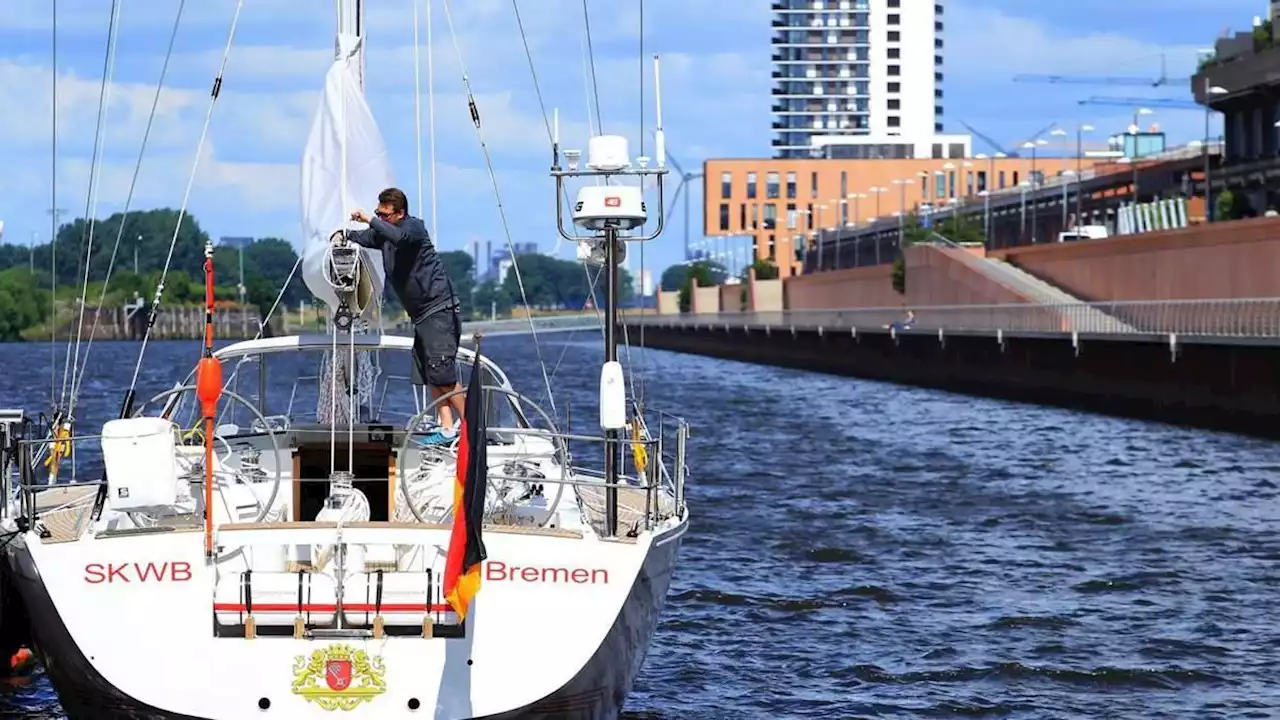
point(186, 196)
point(497, 193)
point(128, 204)
point(91, 201)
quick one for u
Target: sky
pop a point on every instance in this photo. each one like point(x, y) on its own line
point(715, 97)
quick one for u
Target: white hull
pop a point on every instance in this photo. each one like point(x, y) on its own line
point(551, 643)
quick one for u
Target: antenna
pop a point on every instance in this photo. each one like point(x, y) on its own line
point(607, 211)
point(661, 147)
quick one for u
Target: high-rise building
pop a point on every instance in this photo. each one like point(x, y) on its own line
point(858, 79)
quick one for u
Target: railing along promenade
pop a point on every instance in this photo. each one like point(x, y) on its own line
point(1248, 318)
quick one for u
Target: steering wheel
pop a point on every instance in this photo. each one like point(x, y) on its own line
point(557, 440)
point(271, 435)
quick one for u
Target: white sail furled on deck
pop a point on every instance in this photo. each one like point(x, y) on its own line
point(332, 188)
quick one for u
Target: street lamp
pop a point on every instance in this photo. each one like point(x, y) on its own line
point(1034, 183)
point(902, 210)
point(1134, 129)
point(986, 216)
point(1209, 91)
point(1080, 131)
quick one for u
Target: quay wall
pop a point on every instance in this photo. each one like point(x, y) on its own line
point(1236, 259)
point(933, 277)
point(1226, 386)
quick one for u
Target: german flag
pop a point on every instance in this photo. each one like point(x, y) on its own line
point(466, 547)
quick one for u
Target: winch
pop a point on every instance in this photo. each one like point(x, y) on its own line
point(342, 270)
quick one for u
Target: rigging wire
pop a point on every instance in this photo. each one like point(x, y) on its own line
point(417, 102)
point(591, 55)
point(128, 204)
point(91, 198)
point(644, 355)
point(497, 193)
point(186, 196)
point(262, 324)
point(546, 122)
point(53, 228)
point(431, 123)
point(333, 330)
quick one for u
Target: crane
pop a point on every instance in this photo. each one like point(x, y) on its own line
point(1101, 80)
point(1011, 152)
point(1130, 80)
point(1166, 103)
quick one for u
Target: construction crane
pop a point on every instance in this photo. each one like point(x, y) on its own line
point(1010, 152)
point(1163, 79)
point(1166, 103)
point(1101, 80)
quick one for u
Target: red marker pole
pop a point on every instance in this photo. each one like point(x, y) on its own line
point(208, 390)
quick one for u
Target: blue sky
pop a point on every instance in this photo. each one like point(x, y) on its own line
point(715, 95)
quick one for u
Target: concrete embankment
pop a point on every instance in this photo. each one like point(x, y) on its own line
point(1213, 383)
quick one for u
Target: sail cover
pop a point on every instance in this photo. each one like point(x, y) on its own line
point(331, 189)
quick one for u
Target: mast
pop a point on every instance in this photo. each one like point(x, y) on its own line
point(608, 210)
point(351, 23)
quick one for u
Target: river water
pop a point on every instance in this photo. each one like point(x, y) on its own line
point(865, 550)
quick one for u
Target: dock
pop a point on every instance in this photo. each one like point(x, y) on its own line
point(1212, 364)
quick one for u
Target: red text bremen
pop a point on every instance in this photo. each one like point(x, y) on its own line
point(495, 571)
point(98, 573)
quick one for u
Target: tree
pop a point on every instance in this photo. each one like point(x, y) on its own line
point(677, 276)
point(956, 227)
point(22, 304)
point(553, 284)
point(490, 295)
point(458, 265)
point(706, 273)
point(765, 270)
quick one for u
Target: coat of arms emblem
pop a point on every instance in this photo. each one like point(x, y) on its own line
point(338, 677)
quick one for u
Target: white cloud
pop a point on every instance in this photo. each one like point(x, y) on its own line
point(715, 93)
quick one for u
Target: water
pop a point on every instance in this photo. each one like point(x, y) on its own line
point(865, 550)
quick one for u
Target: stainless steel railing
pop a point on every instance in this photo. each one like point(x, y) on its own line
point(1257, 318)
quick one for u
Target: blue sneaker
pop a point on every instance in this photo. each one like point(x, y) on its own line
point(439, 437)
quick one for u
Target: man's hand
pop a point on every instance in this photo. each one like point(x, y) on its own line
point(360, 216)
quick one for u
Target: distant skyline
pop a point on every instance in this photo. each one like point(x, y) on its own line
point(715, 97)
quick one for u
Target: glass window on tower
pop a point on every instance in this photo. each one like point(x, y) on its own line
point(751, 186)
point(791, 187)
point(724, 216)
point(726, 185)
point(771, 188)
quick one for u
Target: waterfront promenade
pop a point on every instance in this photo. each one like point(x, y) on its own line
point(1208, 363)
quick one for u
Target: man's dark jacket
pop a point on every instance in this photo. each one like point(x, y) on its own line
point(412, 264)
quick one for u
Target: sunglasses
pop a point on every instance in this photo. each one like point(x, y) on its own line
point(384, 216)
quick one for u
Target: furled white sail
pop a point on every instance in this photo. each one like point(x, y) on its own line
point(331, 188)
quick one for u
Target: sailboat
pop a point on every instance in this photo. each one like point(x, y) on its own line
point(293, 565)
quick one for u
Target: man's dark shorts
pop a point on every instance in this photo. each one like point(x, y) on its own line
point(435, 349)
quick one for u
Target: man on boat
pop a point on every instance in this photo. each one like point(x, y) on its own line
point(418, 277)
